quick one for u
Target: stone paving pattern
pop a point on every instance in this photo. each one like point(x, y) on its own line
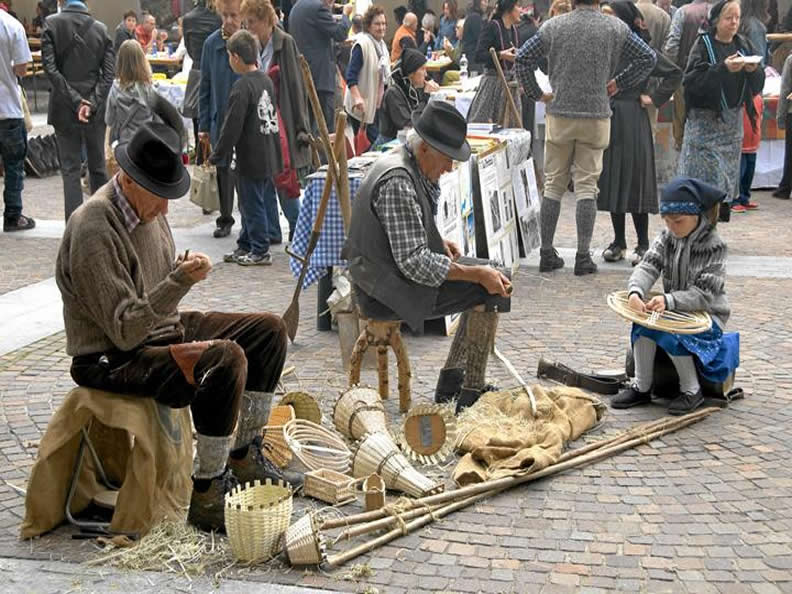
point(702, 510)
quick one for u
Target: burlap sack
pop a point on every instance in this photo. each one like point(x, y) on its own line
point(501, 437)
point(155, 472)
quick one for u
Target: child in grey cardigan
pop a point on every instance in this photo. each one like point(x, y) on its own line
point(691, 257)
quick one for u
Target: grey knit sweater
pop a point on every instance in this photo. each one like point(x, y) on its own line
point(119, 289)
point(693, 270)
point(583, 49)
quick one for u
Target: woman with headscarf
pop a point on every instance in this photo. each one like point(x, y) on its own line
point(405, 95)
point(628, 183)
point(718, 83)
point(500, 33)
point(368, 73)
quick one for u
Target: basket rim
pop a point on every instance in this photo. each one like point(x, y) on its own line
point(231, 504)
point(700, 321)
point(448, 445)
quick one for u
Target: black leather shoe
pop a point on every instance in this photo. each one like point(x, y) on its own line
point(469, 397)
point(549, 260)
point(18, 223)
point(630, 397)
point(781, 194)
point(584, 264)
point(222, 231)
point(449, 383)
point(685, 403)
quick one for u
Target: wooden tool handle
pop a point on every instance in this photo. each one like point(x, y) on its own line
point(313, 98)
point(509, 98)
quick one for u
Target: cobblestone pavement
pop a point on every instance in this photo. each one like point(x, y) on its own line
point(702, 510)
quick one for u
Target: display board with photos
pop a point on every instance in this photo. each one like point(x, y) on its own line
point(528, 202)
point(497, 238)
point(455, 218)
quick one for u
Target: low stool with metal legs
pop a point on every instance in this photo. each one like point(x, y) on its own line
point(382, 334)
point(104, 499)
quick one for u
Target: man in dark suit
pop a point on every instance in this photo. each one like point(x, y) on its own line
point(315, 30)
point(77, 55)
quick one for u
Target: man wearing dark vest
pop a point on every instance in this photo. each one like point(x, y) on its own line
point(401, 266)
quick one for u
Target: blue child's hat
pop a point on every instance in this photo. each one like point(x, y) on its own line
point(687, 195)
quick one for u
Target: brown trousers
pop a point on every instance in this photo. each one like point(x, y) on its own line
point(221, 356)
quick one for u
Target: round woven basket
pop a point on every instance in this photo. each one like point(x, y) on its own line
point(304, 543)
point(359, 411)
point(273, 443)
point(428, 433)
point(674, 322)
point(305, 406)
point(378, 454)
point(256, 518)
point(316, 447)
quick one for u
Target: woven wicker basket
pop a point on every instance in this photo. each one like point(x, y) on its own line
point(305, 406)
point(378, 454)
point(316, 447)
point(256, 518)
point(329, 486)
point(428, 433)
point(273, 443)
point(374, 488)
point(360, 411)
point(304, 543)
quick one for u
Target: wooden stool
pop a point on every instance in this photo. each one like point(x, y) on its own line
point(383, 334)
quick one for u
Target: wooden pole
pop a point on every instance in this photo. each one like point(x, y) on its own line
point(613, 445)
point(512, 105)
point(489, 488)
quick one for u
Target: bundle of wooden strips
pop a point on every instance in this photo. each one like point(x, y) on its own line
point(425, 510)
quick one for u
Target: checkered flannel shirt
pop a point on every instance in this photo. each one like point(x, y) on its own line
point(397, 207)
point(131, 220)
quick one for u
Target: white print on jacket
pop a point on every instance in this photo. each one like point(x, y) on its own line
point(267, 114)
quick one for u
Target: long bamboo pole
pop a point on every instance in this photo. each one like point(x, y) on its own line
point(512, 105)
point(640, 430)
point(489, 488)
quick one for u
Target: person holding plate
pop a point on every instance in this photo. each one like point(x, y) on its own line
point(718, 82)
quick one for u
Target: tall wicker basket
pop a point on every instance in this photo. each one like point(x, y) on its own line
point(256, 518)
point(359, 411)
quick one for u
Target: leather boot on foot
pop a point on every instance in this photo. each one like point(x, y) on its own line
point(549, 260)
point(254, 466)
point(469, 397)
point(207, 507)
point(686, 403)
point(630, 397)
point(584, 264)
point(449, 384)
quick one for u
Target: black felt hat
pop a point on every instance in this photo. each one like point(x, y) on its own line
point(153, 160)
point(443, 128)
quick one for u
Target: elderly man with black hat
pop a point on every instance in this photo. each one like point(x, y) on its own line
point(121, 285)
point(402, 268)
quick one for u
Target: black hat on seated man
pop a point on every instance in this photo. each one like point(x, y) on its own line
point(153, 160)
point(443, 128)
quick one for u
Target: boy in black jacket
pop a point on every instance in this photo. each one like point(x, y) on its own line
point(251, 128)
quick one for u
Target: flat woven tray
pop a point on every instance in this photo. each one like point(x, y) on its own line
point(669, 321)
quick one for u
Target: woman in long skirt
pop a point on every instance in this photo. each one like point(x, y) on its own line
point(628, 183)
point(489, 104)
point(719, 83)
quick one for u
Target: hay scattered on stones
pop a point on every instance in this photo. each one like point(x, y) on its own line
point(359, 571)
point(174, 547)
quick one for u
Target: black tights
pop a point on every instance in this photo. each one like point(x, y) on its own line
point(641, 222)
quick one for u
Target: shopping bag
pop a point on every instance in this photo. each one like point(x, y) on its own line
point(26, 110)
point(203, 186)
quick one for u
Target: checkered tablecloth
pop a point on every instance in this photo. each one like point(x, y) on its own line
point(331, 239)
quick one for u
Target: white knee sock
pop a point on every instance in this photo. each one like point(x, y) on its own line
point(644, 350)
point(688, 378)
